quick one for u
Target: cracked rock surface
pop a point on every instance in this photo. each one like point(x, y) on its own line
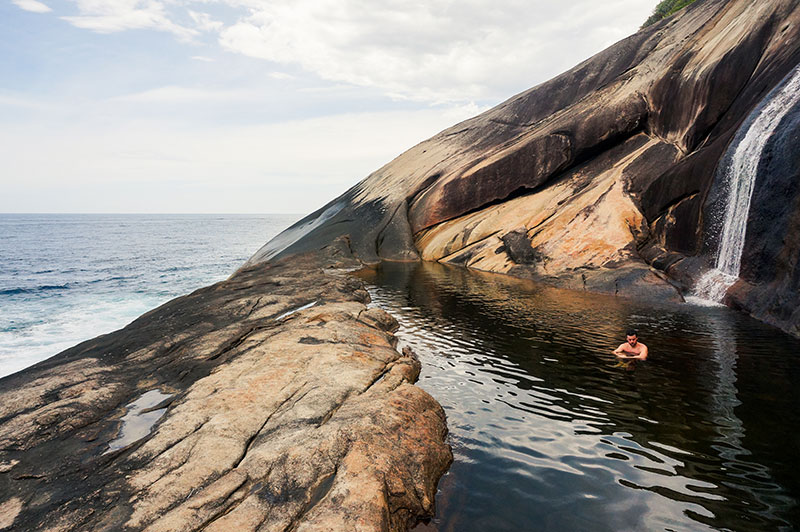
point(274, 400)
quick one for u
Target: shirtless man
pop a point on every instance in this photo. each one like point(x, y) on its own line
point(632, 348)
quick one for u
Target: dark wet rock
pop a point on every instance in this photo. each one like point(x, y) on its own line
point(396, 242)
point(272, 401)
point(519, 248)
point(380, 319)
point(770, 273)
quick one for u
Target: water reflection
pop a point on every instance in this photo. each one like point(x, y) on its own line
point(550, 433)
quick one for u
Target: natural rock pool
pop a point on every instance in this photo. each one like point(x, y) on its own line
point(550, 432)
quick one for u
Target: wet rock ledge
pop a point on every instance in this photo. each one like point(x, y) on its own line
point(275, 400)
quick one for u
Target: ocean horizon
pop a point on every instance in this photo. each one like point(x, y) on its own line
point(69, 277)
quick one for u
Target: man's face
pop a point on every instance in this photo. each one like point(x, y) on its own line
point(632, 340)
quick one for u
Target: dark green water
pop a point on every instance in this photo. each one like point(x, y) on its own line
point(549, 432)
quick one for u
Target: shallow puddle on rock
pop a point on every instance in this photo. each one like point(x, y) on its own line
point(139, 420)
point(298, 309)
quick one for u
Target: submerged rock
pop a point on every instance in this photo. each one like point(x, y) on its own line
point(598, 179)
point(266, 413)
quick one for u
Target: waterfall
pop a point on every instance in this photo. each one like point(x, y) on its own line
point(739, 180)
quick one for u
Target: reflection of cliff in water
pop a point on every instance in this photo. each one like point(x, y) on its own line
point(732, 451)
point(546, 429)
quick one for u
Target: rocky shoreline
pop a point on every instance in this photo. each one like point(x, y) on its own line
point(275, 400)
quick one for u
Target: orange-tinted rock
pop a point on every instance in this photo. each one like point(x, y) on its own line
point(281, 403)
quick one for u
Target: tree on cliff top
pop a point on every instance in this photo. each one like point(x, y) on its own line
point(664, 9)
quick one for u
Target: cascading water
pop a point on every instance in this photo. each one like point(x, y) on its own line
point(740, 177)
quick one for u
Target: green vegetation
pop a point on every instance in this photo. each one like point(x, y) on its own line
point(665, 8)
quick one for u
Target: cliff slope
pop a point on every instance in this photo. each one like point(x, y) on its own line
point(597, 179)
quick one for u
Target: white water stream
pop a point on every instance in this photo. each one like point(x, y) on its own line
point(740, 178)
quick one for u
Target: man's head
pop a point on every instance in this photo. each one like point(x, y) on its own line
point(631, 337)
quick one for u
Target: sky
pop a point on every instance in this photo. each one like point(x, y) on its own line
point(258, 106)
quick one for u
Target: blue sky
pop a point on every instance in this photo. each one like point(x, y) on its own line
point(255, 105)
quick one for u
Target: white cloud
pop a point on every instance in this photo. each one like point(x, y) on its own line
point(109, 16)
point(433, 51)
point(31, 5)
point(204, 22)
point(203, 58)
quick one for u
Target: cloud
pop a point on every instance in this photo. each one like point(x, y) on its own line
point(203, 58)
point(31, 5)
point(109, 16)
point(431, 51)
point(204, 22)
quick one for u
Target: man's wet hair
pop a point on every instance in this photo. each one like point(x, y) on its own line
point(631, 332)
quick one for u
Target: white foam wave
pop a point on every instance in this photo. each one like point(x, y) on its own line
point(63, 328)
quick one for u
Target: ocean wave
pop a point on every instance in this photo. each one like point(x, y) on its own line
point(179, 268)
point(42, 288)
point(90, 280)
point(113, 278)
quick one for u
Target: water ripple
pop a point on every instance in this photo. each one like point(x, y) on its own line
point(550, 432)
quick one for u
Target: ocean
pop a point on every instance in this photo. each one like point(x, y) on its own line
point(65, 278)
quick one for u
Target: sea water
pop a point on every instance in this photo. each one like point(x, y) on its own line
point(66, 278)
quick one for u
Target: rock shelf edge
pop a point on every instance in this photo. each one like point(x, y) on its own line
point(274, 415)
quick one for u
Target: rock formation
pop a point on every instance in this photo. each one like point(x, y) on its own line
point(275, 400)
point(600, 178)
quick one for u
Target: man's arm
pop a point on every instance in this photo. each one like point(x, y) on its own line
point(641, 356)
point(620, 350)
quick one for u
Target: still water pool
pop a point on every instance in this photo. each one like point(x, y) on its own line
point(550, 432)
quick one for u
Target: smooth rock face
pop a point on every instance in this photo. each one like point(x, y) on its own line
point(596, 179)
point(571, 232)
point(282, 404)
